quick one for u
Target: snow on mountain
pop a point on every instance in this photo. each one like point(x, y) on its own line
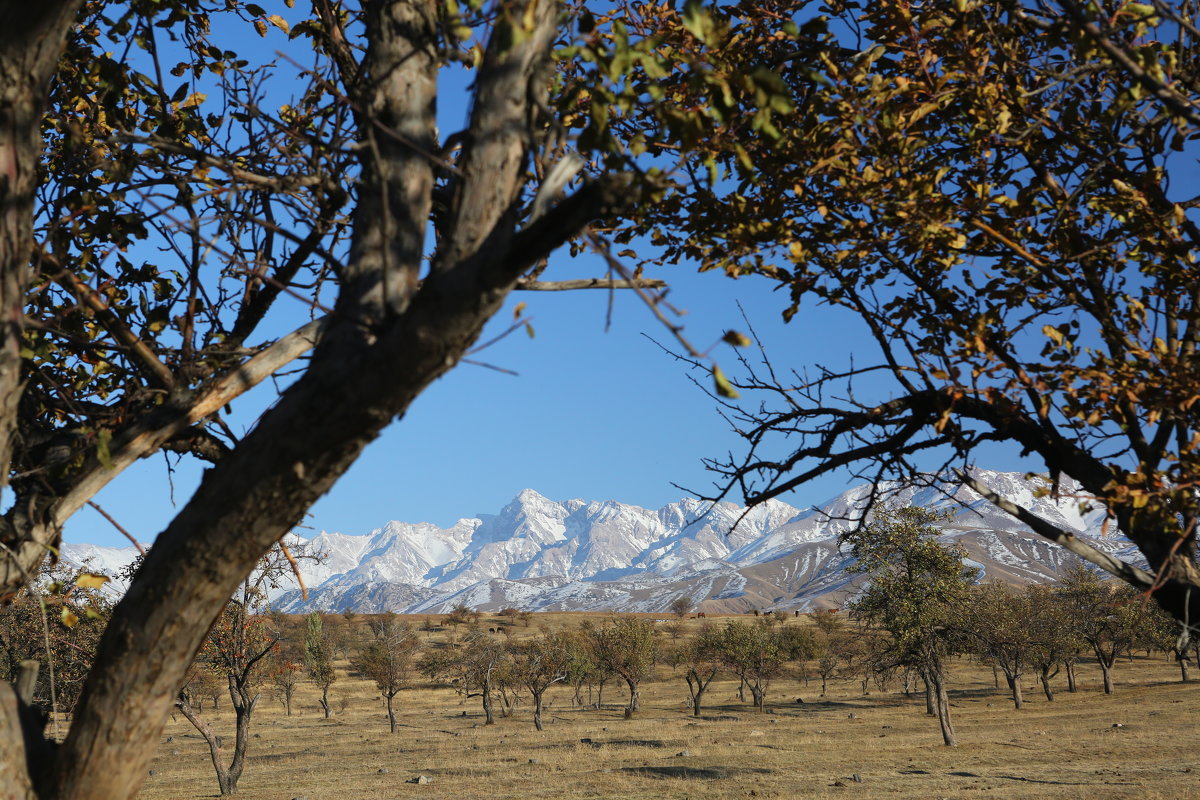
point(539, 554)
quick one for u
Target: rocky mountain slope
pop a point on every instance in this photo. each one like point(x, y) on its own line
point(539, 554)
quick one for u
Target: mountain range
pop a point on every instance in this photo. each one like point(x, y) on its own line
point(542, 555)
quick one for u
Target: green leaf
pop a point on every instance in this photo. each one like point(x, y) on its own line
point(103, 437)
point(724, 387)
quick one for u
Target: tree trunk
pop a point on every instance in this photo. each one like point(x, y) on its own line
point(943, 712)
point(1071, 687)
point(823, 685)
point(1185, 671)
point(1106, 671)
point(741, 690)
point(1046, 683)
point(929, 705)
point(378, 355)
point(391, 713)
point(635, 700)
point(325, 702)
point(489, 715)
point(537, 710)
point(1014, 686)
point(759, 694)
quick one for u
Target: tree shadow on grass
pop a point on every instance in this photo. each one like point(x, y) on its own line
point(694, 773)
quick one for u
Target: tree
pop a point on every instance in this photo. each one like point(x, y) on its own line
point(1055, 641)
point(1109, 617)
point(834, 645)
point(918, 590)
point(999, 628)
point(56, 620)
point(625, 646)
point(701, 660)
point(681, 606)
point(318, 659)
point(988, 189)
point(387, 659)
point(483, 666)
point(285, 677)
point(237, 650)
point(121, 359)
point(538, 664)
point(757, 651)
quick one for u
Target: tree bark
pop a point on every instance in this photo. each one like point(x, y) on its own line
point(1046, 676)
point(537, 711)
point(391, 714)
point(942, 701)
point(635, 700)
point(1014, 686)
point(1071, 687)
point(325, 702)
point(929, 705)
point(363, 374)
point(1106, 671)
point(32, 36)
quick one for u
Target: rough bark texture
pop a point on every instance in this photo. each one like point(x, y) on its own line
point(32, 36)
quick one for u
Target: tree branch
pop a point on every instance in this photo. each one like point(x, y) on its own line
point(1132, 575)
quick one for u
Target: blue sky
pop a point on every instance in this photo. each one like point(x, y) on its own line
point(592, 413)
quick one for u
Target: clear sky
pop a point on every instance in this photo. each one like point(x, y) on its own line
point(592, 413)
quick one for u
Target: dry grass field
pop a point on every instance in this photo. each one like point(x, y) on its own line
point(843, 746)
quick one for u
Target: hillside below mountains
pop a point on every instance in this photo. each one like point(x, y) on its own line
point(542, 555)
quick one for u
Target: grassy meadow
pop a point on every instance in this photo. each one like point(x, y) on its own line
point(1141, 742)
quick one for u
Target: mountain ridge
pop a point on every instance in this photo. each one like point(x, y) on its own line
point(539, 554)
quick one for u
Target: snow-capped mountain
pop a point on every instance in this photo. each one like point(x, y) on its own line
point(540, 554)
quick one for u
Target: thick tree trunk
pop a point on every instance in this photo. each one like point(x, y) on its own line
point(635, 699)
point(537, 711)
point(1071, 686)
point(929, 704)
point(388, 342)
point(1106, 671)
point(759, 694)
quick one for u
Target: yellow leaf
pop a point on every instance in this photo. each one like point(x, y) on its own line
point(261, 27)
point(1054, 333)
point(519, 308)
point(69, 618)
point(736, 339)
point(193, 99)
point(88, 580)
point(724, 387)
point(279, 22)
